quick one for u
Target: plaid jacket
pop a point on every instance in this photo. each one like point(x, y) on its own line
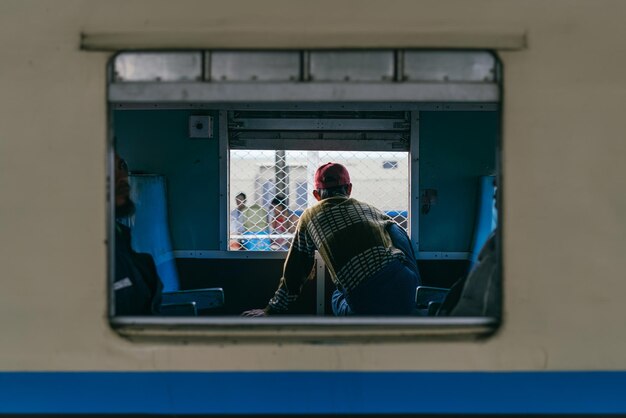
point(352, 239)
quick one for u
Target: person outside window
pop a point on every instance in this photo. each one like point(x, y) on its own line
point(283, 222)
point(249, 226)
point(237, 220)
point(369, 257)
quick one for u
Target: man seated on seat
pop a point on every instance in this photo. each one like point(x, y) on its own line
point(369, 256)
point(482, 292)
point(137, 285)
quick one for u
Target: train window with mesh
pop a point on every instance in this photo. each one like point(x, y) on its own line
point(217, 151)
point(270, 189)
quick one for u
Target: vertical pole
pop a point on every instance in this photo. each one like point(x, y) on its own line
point(320, 284)
point(312, 162)
point(414, 182)
point(282, 175)
point(206, 65)
point(222, 121)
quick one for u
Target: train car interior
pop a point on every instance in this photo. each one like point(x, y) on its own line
point(209, 134)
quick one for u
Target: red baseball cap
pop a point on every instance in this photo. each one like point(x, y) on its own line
point(331, 175)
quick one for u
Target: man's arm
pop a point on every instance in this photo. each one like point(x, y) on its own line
point(297, 267)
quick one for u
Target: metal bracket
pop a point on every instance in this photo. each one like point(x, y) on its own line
point(200, 127)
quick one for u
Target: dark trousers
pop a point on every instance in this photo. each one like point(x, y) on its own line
point(391, 291)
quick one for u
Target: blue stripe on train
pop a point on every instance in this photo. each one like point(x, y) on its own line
point(312, 392)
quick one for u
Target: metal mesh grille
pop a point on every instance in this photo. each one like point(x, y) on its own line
point(269, 190)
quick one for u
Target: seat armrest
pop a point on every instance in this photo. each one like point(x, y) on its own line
point(178, 309)
point(424, 295)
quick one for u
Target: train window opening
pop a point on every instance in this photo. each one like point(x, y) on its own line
point(269, 191)
point(270, 188)
point(223, 148)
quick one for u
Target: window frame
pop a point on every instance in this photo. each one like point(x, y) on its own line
point(290, 329)
point(334, 145)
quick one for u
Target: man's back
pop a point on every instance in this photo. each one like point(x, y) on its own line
point(351, 238)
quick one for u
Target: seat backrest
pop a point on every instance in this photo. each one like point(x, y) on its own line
point(425, 295)
point(149, 226)
point(486, 216)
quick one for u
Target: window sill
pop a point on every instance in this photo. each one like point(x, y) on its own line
point(303, 329)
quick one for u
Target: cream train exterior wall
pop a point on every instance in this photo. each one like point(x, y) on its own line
point(563, 149)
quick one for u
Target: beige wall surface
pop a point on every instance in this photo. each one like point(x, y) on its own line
point(564, 201)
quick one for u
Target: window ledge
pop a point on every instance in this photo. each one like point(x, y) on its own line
point(302, 329)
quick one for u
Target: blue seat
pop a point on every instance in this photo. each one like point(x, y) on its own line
point(486, 216)
point(150, 231)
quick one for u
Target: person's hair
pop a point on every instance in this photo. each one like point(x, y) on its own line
point(334, 191)
point(242, 195)
point(279, 200)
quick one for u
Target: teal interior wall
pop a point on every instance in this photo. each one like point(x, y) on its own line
point(456, 148)
point(157, 141)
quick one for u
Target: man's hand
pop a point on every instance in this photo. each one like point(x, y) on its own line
point(255, 313)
